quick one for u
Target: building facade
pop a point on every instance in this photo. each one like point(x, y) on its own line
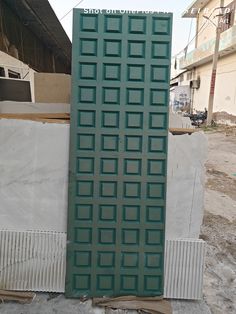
point(198, 63)
point(32, 40)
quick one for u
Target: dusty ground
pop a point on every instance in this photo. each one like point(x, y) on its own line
point(219, 225)
point(218, 230)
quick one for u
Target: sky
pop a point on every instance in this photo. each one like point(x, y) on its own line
point(181, 27)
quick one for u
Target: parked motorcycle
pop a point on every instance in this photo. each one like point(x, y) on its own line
point(198, 118)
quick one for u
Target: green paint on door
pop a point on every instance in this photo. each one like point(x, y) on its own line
point(118, 154)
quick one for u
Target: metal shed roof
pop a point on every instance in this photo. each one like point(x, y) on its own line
point(40, 18)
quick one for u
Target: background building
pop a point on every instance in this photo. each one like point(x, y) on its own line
point(31, 40)
point(198, 62)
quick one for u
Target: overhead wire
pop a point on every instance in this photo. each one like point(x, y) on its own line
point(71, 10)
point(199, 31)
point(190, 30)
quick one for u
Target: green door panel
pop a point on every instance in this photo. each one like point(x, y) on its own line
point(118, 154)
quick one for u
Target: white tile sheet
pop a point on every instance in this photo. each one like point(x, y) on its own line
point(32, 261)
point(184, 268)
point(36, 261)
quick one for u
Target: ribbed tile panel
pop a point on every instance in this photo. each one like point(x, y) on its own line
point(36, 261)
point(32, 261)
point(184, 267)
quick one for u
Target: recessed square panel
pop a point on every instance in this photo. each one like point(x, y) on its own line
point(112, 48)
point(84, 212)
point(153, 260)
point(154, 213)
point(83, 235)
point(89, 22)
point(133, 143)
point(87, 95)
point(111, 72)
point(153, 237)
point(135, 96)
point(155, 190)
point(113, 23)
point(132, 189)
point(87, 71)
point(130, 236)
point(108, 189)
point(133, 167)
point(159, 73)
point(85, 165)
point(83, 258)
point(110, 143)
point(82, 283)
point(136, 49)
point(160, 50)
point(86, 118)
point(137, 25)
point(136, 72)
point(85, 188)
point(134, 120)
point(129, 260)
point(88, 47)
point(158, 121)
point(129, 283)
point(109, 166)
point(159, 97)
point(105, 282)
point(86, 142)
point(157, 144)
point(156, 167)
point(107, 236)
point(161, 26)
point(111, 96)
point(107, 212)
point(131, 213)
point(110, 119)
point(152, 283)
point(106, 259)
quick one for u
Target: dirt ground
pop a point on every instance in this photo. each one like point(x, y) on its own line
point(219, 225)
point(218, 230)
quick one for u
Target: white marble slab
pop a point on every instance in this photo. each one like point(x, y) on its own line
point(34, 179)
point(185, 185)
point(33, 175)
point(177, 121)
point(29, 107)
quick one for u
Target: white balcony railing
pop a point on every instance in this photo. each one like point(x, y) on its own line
point(204, 53)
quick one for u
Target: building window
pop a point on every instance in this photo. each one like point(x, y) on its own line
point(13, 74)
point(228, 18)
point(181, 78)
point(189, 76)
point(2, 72)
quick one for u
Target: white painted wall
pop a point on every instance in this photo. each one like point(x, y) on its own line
point(225, 93)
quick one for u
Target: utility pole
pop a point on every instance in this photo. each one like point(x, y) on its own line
point(214, 68)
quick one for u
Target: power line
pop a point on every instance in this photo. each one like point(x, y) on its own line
point(199, 31)
point(72, 9)
point(190, 30)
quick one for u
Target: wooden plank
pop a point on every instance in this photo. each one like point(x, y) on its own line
point(34, 116)
point(21, 297)
point(181, 131)
point(59, 121)
point(155, 305)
